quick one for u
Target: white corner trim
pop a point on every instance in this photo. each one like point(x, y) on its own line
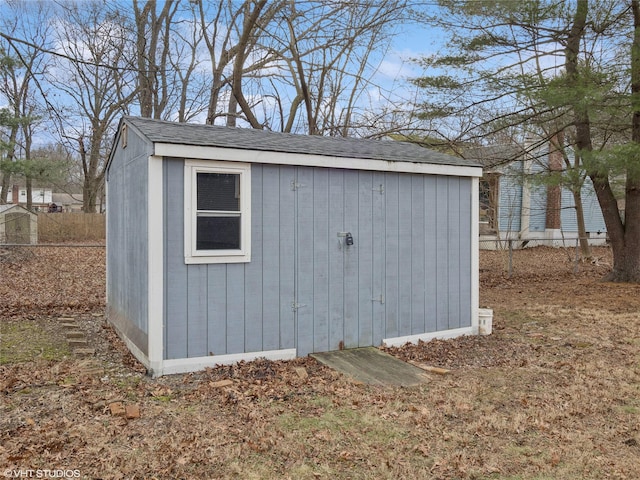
point(309, 160)
point(155, 273)
point(425, 337)
point(185, 365)
point(475, 254)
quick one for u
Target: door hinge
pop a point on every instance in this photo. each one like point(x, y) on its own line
point(379, 299)
point(295, 306)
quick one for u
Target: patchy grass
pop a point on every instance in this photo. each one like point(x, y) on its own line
point(31, 340)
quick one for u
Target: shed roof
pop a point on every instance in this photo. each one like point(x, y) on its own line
point(158, 131)
point(9, 206)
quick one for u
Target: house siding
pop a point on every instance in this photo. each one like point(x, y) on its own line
point(538, 208)
point(510, 199)
point(408, 271)
point(594, 221)
point(511, 208)
point(127, 234)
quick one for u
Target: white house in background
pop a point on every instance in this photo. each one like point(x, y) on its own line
point(512, 208)
point(41, 197)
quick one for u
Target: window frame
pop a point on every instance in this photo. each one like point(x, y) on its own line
point(191, 254)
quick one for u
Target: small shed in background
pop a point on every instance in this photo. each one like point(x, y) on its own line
point(228, 244)
point(18, 225)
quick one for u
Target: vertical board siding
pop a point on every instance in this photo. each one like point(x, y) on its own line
point(453, 238)
point(392, 240)
point(271, 282)
point(197, 320)
point(363, 238)
point(321, 254)
point(464, 271)
point(418, 245)
point(127, 239)
point(443, 255)
point(351, 285)
point(431, 253)
point(286, 227)
point(336, 259)
point(236, 314)
point(253, 287)
point(407, 272)
point(175, 282)
point(405, 262)
point(305, 245)
point(217, 309)
point(378, 323)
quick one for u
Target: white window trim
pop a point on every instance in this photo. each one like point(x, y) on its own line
point(191, 254)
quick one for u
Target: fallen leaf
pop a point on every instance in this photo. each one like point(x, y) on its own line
point(221, 383)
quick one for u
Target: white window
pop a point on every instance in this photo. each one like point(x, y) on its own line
point(217, 212)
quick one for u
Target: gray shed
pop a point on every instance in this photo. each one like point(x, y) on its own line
point(228, 244)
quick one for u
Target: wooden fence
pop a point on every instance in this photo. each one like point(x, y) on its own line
point(71, 227)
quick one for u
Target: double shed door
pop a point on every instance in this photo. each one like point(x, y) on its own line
point(339, 287)
point(408, 271)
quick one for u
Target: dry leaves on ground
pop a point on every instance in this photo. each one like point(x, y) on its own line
point(552, 393)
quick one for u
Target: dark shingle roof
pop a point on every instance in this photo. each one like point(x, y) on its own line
point(159, 131)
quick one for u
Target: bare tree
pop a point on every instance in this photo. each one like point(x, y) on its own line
point(328, 53)
point(152, 53)
point(95, 85)
point(20, 67)
point(231, 33)
point(186, 63)
point(295, 66)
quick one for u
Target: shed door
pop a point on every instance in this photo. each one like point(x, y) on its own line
point(339, 288)
point(18, 227)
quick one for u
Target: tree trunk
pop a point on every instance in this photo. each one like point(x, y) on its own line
point(9, 158)
point(6, 183)
point(29, 185)
point(249, 24)
point(626, 257)
point(624, 236)
point(585, 248)
point(90, 190)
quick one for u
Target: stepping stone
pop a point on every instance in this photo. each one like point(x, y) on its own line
point(75, 334)
point(84, 352)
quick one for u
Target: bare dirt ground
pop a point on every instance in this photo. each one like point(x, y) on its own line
point(553, 393)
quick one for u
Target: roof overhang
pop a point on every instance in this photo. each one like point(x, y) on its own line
point(310, 160)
